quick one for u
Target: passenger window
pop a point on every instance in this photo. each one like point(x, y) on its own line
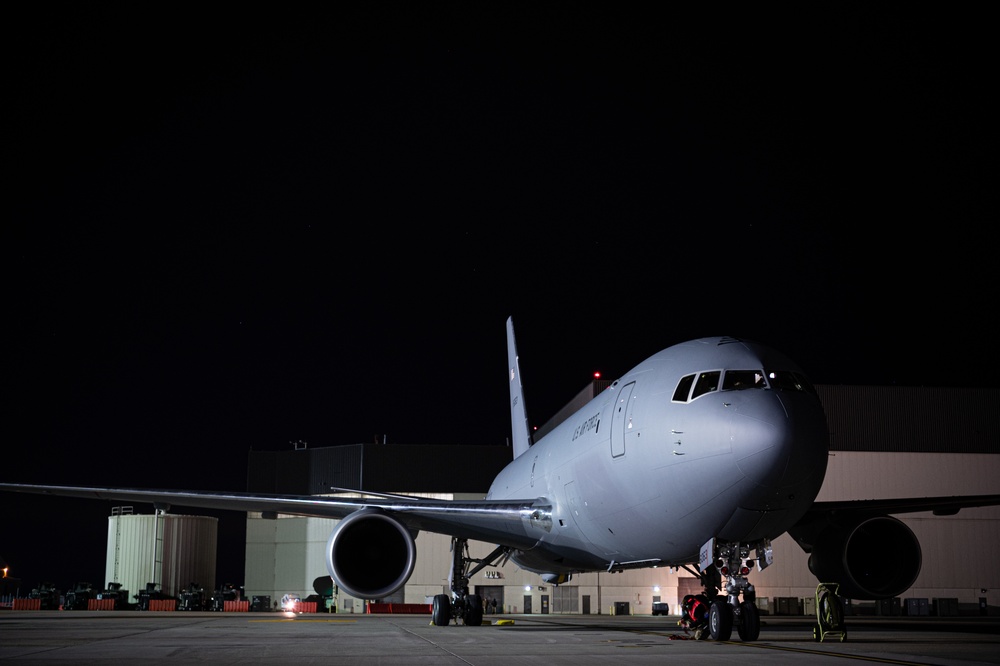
point(707, 382)
point(683, 388)
point(738, 380)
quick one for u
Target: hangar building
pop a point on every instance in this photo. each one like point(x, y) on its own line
point(885, 442)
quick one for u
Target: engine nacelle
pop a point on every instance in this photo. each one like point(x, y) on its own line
point(370, 554)
point(875, 558)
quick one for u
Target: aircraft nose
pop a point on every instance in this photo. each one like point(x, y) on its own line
point(781, 443)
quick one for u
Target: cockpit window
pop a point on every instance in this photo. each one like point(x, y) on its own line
point(683, 388)
point(784, 380)
point(706, 383)
point(738, 380)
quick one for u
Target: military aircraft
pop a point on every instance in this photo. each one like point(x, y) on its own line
point(698, 458)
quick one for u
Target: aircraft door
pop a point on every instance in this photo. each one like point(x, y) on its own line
point(621, 420)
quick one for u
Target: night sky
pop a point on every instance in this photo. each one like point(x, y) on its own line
point(237, 229)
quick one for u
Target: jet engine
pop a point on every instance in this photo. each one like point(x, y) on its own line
point(370, 554)
point(872, 558)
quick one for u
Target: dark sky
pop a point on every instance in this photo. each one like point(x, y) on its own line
point(235, 229)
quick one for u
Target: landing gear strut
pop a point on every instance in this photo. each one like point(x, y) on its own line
point(461, 605)
point(730, 611)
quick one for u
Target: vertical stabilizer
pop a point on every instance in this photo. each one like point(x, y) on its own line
point(518, 413)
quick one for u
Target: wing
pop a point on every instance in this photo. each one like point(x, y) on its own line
point(941, 506)
point(859, 543)
point(504, 522)
point(824, 515)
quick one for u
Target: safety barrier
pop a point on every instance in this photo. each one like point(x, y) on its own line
point(400, 609)
point(236, 606)
point(162, 604)
point(100, 604)
point(27, 604)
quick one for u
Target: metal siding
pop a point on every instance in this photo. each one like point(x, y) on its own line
point(189, 548)
point(130, 542)
point(338, 466)
point(912, 419)
point(381, 467)
point(433, 468)
point(261, 558)
point(262, 471)
point(854, 475)
point(886, 441)
point(954, 550)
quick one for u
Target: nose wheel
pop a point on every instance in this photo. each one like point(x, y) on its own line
point(737, 609)
point(720, 620)
point(748, 621)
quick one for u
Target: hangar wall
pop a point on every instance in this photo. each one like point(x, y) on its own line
point(885, 442)
point(170, 550)
point(286, 555)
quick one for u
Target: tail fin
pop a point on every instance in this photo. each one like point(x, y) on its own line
point(518, 412)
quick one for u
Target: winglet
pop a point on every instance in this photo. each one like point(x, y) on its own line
point(518, 413)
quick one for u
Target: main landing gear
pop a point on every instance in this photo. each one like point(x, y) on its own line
point(461, 605)
point(715, 616)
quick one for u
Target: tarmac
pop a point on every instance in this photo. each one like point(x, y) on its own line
point(149, 638)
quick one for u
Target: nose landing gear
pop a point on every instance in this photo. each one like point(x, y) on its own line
point(738, 608)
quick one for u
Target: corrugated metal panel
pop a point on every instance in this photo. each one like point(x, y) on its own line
point(433, 468)
point(262, 471)
point(381, 467)
point(912, 419)
point(130, 558)
point(588, 393)
point(172, 551)
point(868, 475)
point(338, 466)
point(861, 418)
point(189, 549)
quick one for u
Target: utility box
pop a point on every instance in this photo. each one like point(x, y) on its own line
point(888, 607)
point(763, 605)
point(946, 607)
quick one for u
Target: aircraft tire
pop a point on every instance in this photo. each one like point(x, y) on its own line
point(749, 625)
point(473, 614)
point(441, 610)
point(720, 621)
